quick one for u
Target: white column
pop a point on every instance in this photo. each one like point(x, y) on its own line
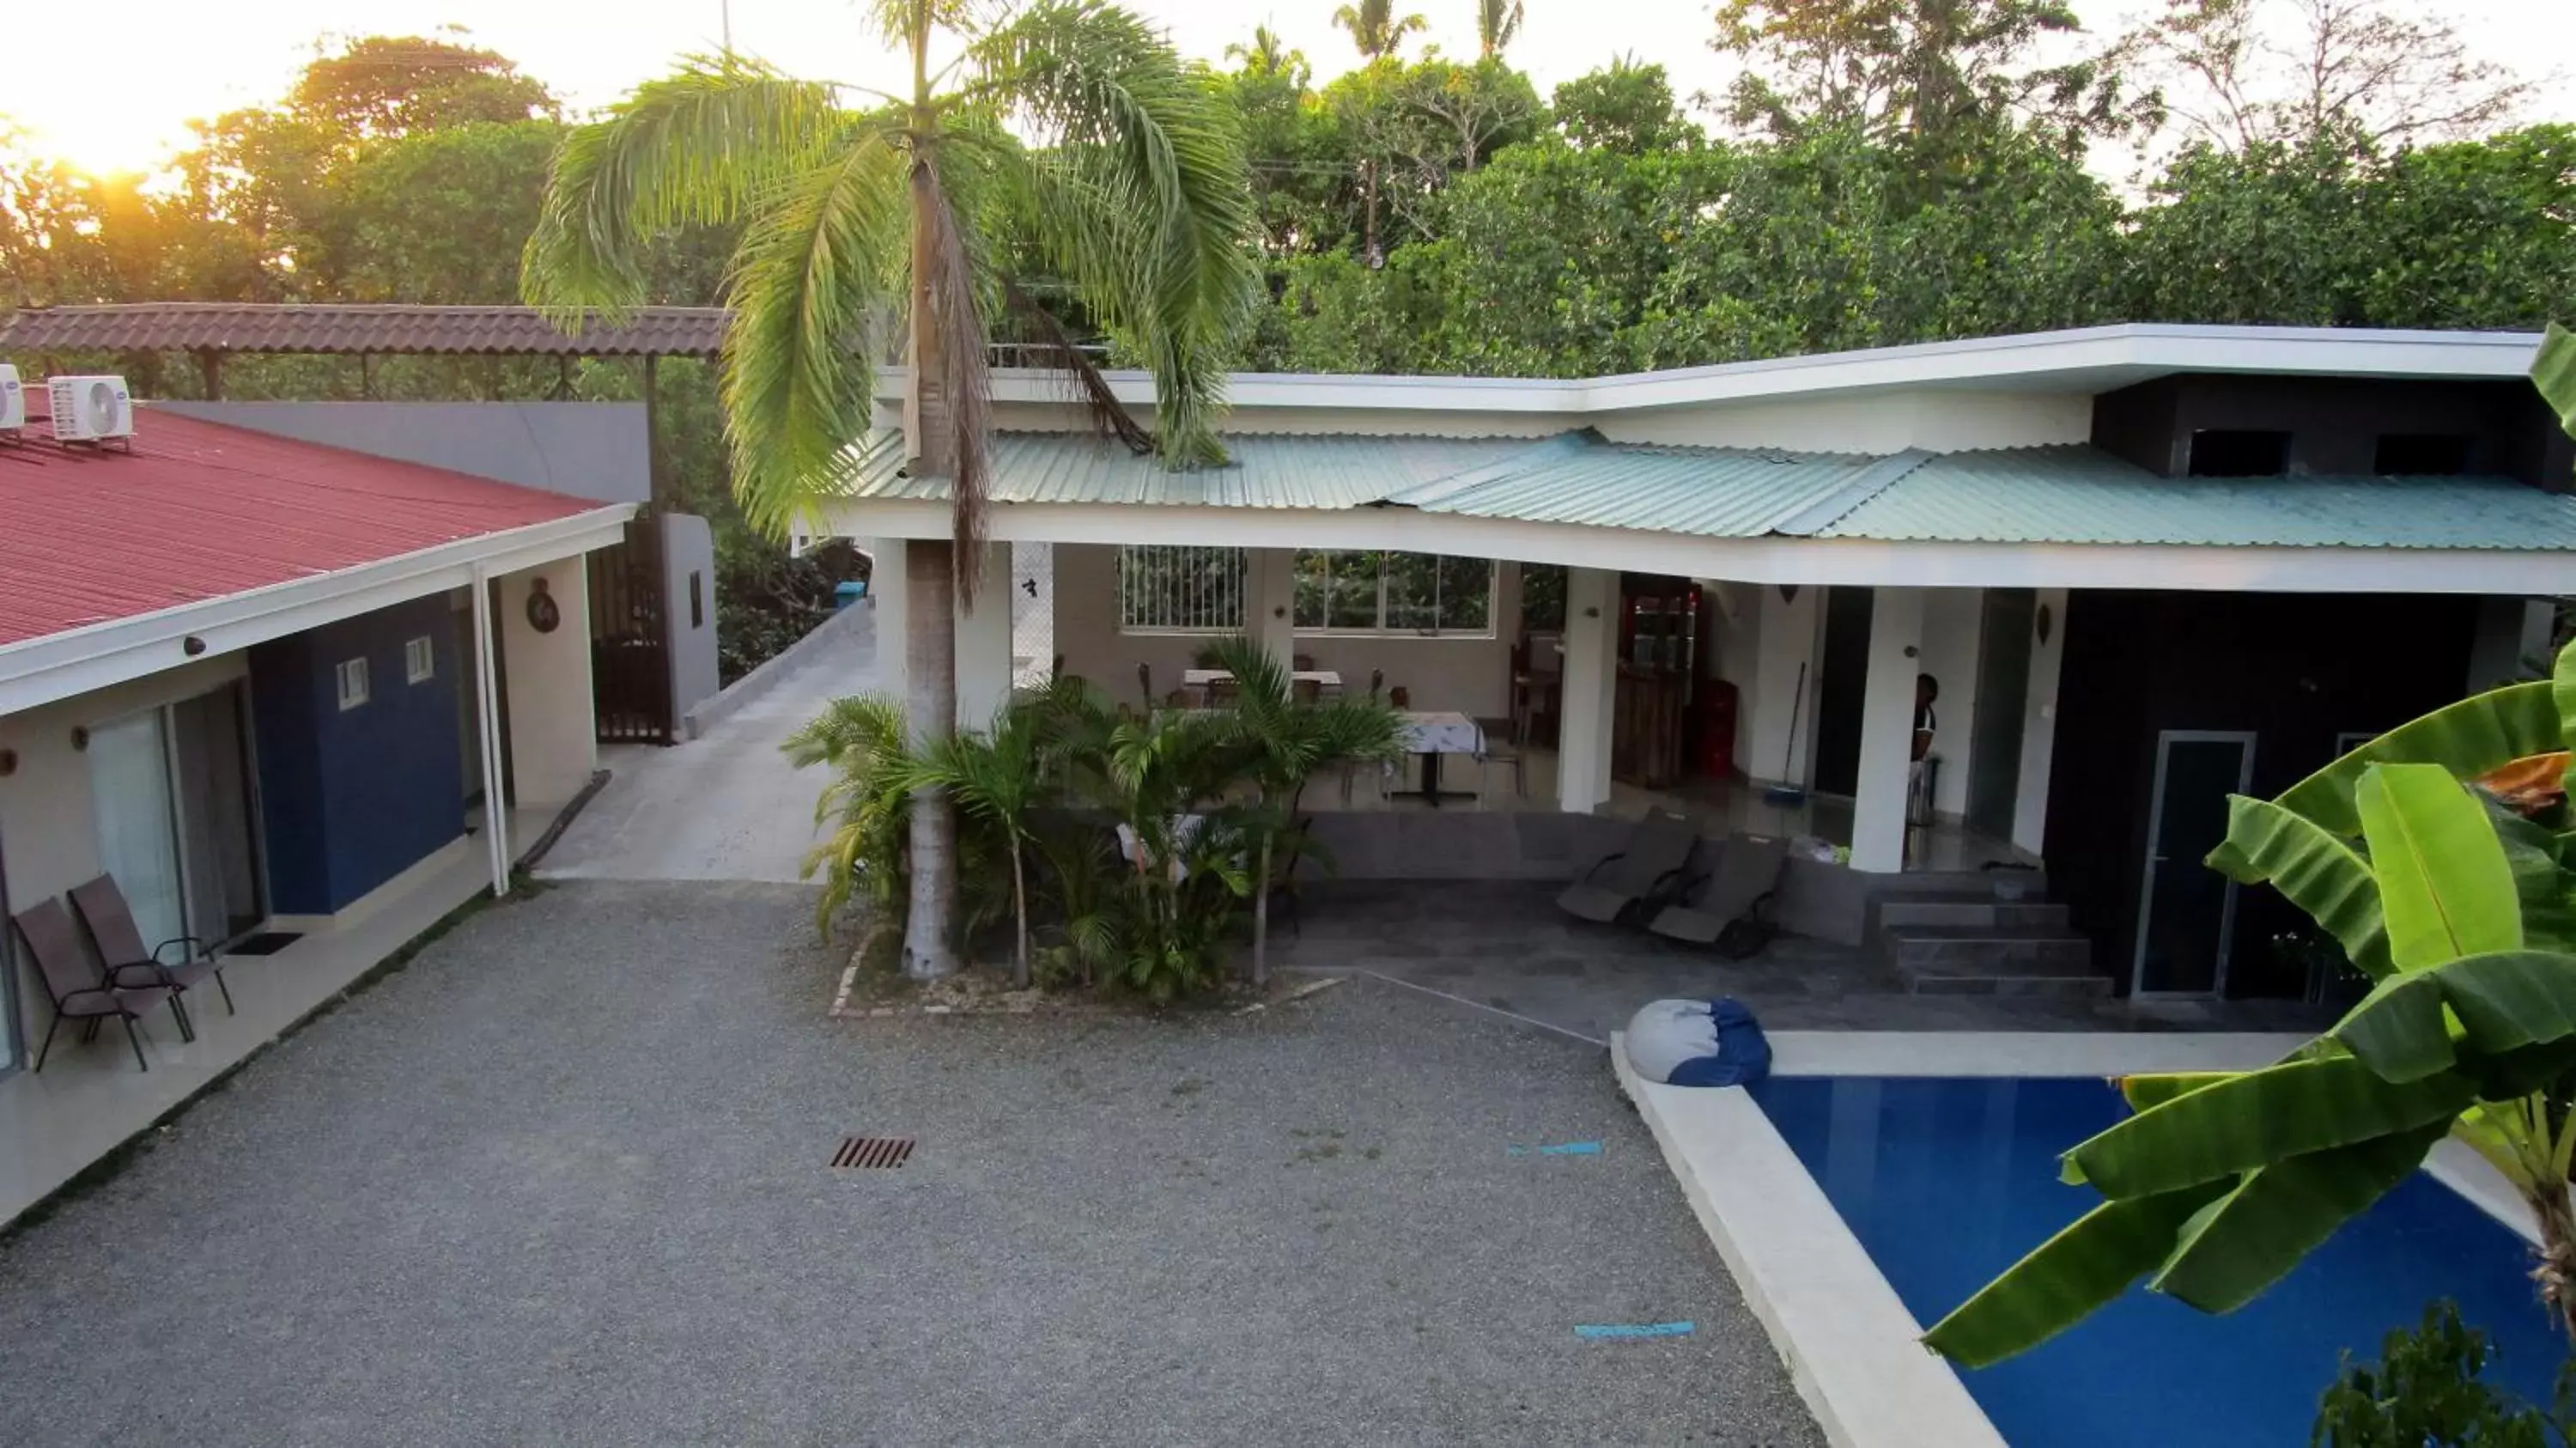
point(2039, 720)
point(886, 597)
point(1780, 719)
point(984, 642)
point(1591, 683)
point(487, 728)
point(1887, 730)
point(1270, 609)
point(554, 735)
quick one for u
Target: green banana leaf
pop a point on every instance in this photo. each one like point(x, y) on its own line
point(2066, 1278)
point(2444, 886)
point(2318, 872)
point(2157, 1088)
point(2562, 681)
point(2467, 738)
point(2250, 1238)
point(2511, 1075)
point(2540, 881)
point(2553, 371)
point(2502, 1002)
point(2254, 1120)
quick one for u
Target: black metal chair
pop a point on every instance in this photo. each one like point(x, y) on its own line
point(78, 994)
point(101, 906)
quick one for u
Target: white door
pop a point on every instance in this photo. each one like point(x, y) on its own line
point(129, 783)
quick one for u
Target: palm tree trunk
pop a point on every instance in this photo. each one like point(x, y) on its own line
point(930, 712)
point(1020, 909)
point(1261, 919)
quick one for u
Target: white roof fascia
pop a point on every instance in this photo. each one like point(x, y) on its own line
point(2041, 361)
point(60, 665)
point(1857, 562)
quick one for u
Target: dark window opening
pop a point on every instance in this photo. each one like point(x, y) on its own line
point(2420, 455)
point(2234, 453)
point(697, 601)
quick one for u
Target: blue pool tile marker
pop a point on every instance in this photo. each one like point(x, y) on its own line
point(1595, 1331)
point(1570, 1148)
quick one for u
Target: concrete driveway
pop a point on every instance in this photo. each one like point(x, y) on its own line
point(566, 1179)
point(725, 807)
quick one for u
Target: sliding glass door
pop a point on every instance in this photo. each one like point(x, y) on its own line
point(131, 801)
point(170, 791)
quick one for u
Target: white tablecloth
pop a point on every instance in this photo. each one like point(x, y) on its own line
point(1441, 733)
point(1201, 678)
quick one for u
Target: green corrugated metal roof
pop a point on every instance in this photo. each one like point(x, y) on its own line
point(2072, 494)
point(1709, 492)
point(1265, 470)
point(2082, 495)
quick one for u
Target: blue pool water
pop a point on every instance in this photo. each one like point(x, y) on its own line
point(1948, 1182)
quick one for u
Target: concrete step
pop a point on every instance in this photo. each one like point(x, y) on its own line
point(1992, 960)
point(1951, 910)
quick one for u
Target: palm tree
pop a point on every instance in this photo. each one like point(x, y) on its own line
point(1130, 184)
point(1375, 28)
point(1497, 21)
point(1286, 741)
point(998, 776)
point(1267, 54)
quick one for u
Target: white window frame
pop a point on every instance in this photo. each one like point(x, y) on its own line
point(1382, 629)
point(352, 683)
point(1208, 603)
point(420, 660)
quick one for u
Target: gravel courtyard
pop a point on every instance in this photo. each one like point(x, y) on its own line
point(566, 1179)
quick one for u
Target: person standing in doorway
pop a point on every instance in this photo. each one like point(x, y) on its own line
point(1918, 773)
point(1926, 689)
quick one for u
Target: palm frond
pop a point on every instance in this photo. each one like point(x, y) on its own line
point(1140, 195)
point(698, 147)
point(955, 392)
point(799, 382)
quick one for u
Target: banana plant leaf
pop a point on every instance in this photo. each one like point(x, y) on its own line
point(2257, 1119)
point(2250, 1238)
point(2067, 1278)
point(2503, 1003)
point(2553, 371)
point(2467, 738)
point(2562, 677)
point(2155, 1089)
point(2317, 871)
point(2544, 886)
point(2444, 885)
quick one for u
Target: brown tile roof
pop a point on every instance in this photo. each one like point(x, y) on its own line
point(332, 327)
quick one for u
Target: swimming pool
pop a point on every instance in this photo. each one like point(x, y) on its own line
point(1948, 1181)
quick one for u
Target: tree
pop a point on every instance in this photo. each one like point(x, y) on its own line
point(1623, 107)
point(997, 776)
point(1296, 152)
point(1926, 71)
point(2432, 856)
point(2242, 74)
point(1417, 128)
point(1497, 22)
point(1375, 28)
point(1136, 194)
point(1286, 741)
point(438, 216)
point(382, 86)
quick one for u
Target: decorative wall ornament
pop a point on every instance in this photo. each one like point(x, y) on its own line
point(544, 614)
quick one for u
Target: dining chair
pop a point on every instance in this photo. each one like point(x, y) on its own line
point(1502, 746)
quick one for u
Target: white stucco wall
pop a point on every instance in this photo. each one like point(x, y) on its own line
point(1470, 675)
point(1779, 725)
point(1733, 650)
point(554, 741)
point(1953, 619)
point(48, 830)
point(2039, 724)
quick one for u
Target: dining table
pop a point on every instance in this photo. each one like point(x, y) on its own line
point(1431, 734)
point(1327, 680)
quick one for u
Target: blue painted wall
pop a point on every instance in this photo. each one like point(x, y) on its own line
point(351, 798)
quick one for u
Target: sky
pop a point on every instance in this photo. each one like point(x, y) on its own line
point(173, 60)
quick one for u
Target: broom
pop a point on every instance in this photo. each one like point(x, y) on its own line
point(1785, 793)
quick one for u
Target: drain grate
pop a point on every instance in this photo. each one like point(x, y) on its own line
point(873, 1151)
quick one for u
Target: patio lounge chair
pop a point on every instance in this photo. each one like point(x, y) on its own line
point(78, 994)
point(1730, 907)
point(103, 909)
point(1652, 865)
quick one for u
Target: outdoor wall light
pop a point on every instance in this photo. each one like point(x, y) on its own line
point(543, 614)
point(2043, 622)
point(80, 738)
point(8, 762)
point(192, 646)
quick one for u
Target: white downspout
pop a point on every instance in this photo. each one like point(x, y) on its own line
point(487, 722)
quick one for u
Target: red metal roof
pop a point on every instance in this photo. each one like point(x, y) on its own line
point(200, 511)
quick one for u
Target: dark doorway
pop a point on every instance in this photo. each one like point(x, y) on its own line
point(1841, 687)
point(2003, 694)
point(2187, 911)
point(218, 847)
point(629, 656)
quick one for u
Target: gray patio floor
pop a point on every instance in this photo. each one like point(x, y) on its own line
point(1505, 946)
point(565, 1179)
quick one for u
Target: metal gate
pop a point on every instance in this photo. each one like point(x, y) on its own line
point(630, 668)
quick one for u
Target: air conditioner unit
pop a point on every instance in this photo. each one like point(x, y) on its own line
point(87, 409)
point(13, 400)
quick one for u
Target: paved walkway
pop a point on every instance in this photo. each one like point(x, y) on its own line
point(565, 1179)
point(725, 807)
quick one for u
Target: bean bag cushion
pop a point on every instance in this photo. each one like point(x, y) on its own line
point(1698, 1043)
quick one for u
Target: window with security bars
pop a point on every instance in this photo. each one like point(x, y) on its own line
point(1174, 588)
point(1381, 591)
